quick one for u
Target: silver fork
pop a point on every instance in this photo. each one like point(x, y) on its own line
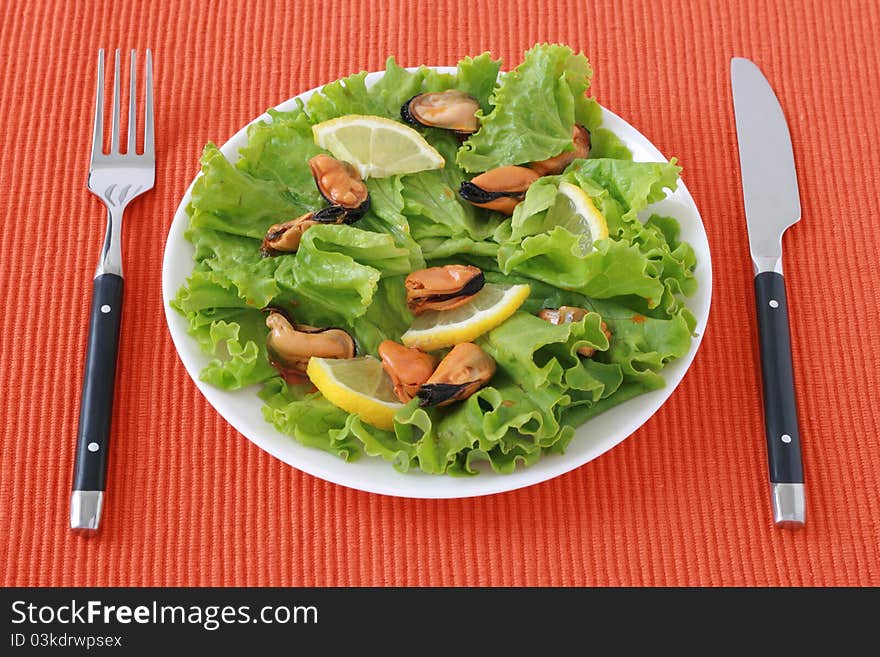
point(117, 179)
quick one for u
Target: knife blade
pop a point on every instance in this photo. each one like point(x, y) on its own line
point(772, 204)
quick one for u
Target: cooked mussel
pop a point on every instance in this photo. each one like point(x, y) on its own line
point(450, 110)
point(499, 189)
point(563, 314)
point(463, 371)
point(442, 288)
point(332, 214)
point(558, 163)
point(566, 314)
point(290, 346)
point(285, 237)
point(342, 186)
point(408, 368)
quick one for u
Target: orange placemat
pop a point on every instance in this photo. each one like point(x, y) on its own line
point(682, 502)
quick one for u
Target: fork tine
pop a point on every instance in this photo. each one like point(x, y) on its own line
point(114, 130)
point(149, 149)
point(98, 136)
point(132, 109)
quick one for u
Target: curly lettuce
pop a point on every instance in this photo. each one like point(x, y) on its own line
point(535, 108)
point(645, 261)
point(352, 276)
point(350, 95)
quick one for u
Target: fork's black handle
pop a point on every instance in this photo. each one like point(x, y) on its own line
point(780, 406)
point(96, 407)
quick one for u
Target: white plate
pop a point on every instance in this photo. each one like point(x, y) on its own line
point(242, 408)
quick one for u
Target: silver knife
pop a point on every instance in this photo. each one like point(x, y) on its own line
point(770, 192)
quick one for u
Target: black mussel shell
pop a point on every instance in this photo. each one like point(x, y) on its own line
point(431, 394)
point(474, 194)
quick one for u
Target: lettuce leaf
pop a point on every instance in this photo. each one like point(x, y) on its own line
point(279, 151)
point(642, 345)
point(634, 185)
point(629, 188)
point(237, 337)
point(350, 95)
point(605, 144)
point(386, 318)
point(496, 421)
point(386, 216)
point(236, 261)
point(459, 248)
point(228, 199)
point(612, 269)
point(644, 261)
point(535, 108)
point(372, 249)
point(536, 353)
point(311, 419)
point(221, 320)
point(478, 76)
point(516, 416)
point(395, 88)
point(245, 361)
point(205, 289)
point(433, 207)
point(335, 272)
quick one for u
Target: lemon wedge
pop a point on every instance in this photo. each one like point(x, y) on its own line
point(377, 147)
point(357, 385)
point(575, 210)
point(435, 329)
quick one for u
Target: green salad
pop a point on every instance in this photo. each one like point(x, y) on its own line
point(548, 377)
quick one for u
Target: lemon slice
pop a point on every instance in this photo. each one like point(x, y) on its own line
point(376, 146)
point(575, 210)
point(357, 385)
point(435, 329)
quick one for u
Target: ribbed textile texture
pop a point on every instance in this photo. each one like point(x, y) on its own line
point(684, 501)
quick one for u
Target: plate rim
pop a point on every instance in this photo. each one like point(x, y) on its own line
point(486, 483)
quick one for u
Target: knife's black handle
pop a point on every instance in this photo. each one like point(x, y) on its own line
point(96, 406)
point(780, 406)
